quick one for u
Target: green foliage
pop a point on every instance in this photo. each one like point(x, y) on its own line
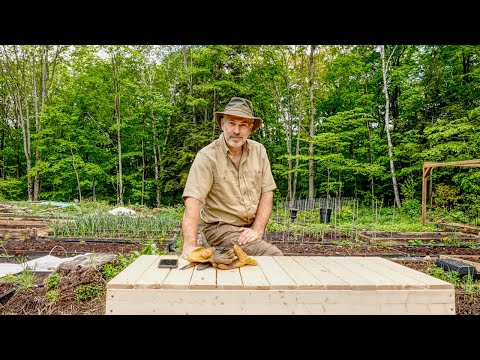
point(452, 277)
point(464, 283)
point(109, 270)
point(451, 240)
point(88, 292)
point(169, 93)
point(346, 213)
point(408, 189)
point(343, 243)
point(52, 280)
point(11, 189)
point(445, 196)
point(414, 242)
point(412, 207)
point(103, 224)
point(52, 296)
point(150, 248)
point(23, 280)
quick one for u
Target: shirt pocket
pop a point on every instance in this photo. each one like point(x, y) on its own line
point(253, 180)
point(224, 189)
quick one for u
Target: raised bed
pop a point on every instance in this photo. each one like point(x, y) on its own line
point(392, 238)
point(470, 229)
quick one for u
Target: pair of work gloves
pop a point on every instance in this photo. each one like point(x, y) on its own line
point(221, 258)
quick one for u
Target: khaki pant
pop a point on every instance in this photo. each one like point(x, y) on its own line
point(226, 235)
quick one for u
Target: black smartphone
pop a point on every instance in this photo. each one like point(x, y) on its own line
point(168, 263)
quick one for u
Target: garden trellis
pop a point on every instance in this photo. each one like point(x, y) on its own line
point(427, 170)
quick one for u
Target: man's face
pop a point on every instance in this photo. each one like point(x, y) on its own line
point(236, 130)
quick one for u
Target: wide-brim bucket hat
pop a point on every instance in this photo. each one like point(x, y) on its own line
point(239, 107)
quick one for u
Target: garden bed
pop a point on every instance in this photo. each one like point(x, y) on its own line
point(442, 237)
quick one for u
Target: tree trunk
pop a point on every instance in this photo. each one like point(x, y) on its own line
point(118, 120)
point(299, 127)
point(2, 173)
point(190, 80)
point(387, 127)
point(144, 169)
point(312, 123)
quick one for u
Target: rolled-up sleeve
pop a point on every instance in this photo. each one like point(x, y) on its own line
point(199, 180)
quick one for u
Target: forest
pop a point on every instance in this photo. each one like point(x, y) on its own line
point(123, 123)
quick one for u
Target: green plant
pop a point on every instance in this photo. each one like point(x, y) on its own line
point(471, 244)
point(88, 292)
point(52, 280)
point(451, 241)
point(413, 242)
point(52, 296)
point(345, 243)
point(109, 271)
point(452, 277)
point(150, 248)
point(408, 188)
point(24, 280)
point(411, 207)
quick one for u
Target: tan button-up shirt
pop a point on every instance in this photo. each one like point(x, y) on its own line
point(229, 194)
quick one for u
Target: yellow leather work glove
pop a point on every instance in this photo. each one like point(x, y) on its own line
point(243, 259)
point(212, 255)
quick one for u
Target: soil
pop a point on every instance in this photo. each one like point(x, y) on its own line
point(35, 300)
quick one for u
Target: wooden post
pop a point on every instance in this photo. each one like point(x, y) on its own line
point(427, 168)
point(425, 172)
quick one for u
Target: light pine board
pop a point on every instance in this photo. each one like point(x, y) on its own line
point(280, 285)
point(354, 280)
point(274, 302)
point(129, 276)
point(327, 278)
point(430, 282)
point(275, 274)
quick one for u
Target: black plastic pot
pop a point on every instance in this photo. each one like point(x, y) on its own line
point(325, 215)
point(293, 214)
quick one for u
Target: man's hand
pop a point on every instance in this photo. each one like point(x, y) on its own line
point(248, 235)
point(186, 250)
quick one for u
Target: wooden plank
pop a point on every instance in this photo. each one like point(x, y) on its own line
point(229, 279)
point(329, 280)
point(204, 279)
point(153, 277)
point(471, 229)
point(403, 281)
point(253, 277)
point(381, 281)
point(23, 223)
point(355, 281)
point(278, 302)
point(472, 163)
point(127, 278)
point(176, 278)
point(302, 276)
point(431, 282)
point(275, 274)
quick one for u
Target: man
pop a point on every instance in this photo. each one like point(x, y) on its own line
point(230, 186)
